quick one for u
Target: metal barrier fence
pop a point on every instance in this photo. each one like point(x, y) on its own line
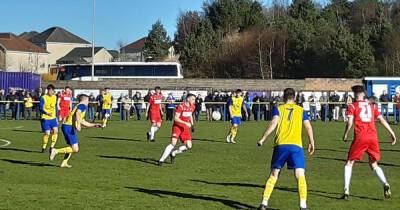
point(259, 110)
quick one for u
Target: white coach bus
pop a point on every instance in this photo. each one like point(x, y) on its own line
point(121, 70)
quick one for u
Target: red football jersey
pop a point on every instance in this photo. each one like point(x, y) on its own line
point(65, 100)
point(365, 115)
point(186, 112)
point(155, 102)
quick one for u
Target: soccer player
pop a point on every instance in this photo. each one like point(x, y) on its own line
point(183, 125)
point(156, 113)
point(236, 104)
point(64, 103)
point(49, 124)
point(106, 106)
point(289, 120)
point(70, 128)
point(363, 114)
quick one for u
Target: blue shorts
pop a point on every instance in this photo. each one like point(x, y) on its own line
point(291, 154)
point(236, 120)
point(70, 134)
point(106, 111)
point(48, 125)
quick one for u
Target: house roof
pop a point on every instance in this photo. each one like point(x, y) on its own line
point(12, 42)
point(57, 34)
point(134, 47)
point(77, 54)
point(28, 35)
point(114, 53)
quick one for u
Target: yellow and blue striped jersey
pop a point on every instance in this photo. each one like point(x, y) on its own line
point(107, 100)
point(48, 106)
point(289, 130)
point(71, 119)
point(236, 104)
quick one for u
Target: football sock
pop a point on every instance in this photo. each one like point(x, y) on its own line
point(302, 185)
point(67, 156)
point(105, 122)
point(379, 172)
point(166, 153)
point(153, 131)
point(45, 140)
point(269, 187)
point(233, 132)
point(54, 139)
point(65, 150)
point(347, 178)
point(180, 150)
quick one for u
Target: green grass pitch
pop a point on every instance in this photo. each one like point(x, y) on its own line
point(116, 169)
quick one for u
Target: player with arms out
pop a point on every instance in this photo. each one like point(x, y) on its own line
point(289, 120)
point(236, 104)
point(106, 106)
point(156, 113)
point(363, 114)
point(183, 125)
point(49, 124)
point(64, 103)
point(72, 124)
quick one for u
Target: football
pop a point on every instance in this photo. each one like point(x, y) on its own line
point(216, 115)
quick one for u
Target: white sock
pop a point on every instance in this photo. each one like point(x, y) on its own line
point(153, 131)
point(264, 202)
point(180, 150)
point(379, 172)
point(303, 204)
point(166, 153)
point(347, 178)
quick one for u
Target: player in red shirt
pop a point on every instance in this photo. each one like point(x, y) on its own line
point(183, 125)
point(363, 115)
point(156, 113)
point(64, 103)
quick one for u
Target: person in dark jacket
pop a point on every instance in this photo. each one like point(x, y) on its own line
point(2, 105)
point(199, 104)
point(13, 98)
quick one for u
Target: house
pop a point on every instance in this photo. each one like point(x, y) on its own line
point(58, 42)
point(115, 55)
point(83, 55)
point(20, 55)
point(133, 52)
point(28, 35)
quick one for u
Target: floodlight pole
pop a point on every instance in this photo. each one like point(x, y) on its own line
point(93, 36)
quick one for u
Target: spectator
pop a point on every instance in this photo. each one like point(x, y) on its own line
point(126, 107)
point(347, 99)
point(184, 96)
point(263, 106)
point(147, 99)
point(248, 100)
point(170, 107)
point(335, 98)
point(99, 111)
point(92, 107)
point(384, 99)
point(199, 105)
point(300, 99)
point(13, 98)
point(313, 106)
point(208, 99)
point(36, 97)
point(28, 106)
point(138, 102)
point(256, 108)
point(373, 99)
point(397, 108)
point(2, 105)
point(21, 106)
point(324, 107)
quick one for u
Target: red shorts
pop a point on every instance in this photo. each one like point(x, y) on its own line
point(64, 112)
point(155, 117)
point(359, 147)
point(182, 133)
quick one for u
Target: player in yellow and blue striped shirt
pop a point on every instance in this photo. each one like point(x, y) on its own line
point(70, 128)
point(235, 105)
point(288, 119)
point(49, 124)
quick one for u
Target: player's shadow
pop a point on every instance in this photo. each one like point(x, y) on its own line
point(344, 160)
point(30, 163)
point(19, 150)
point(143, 160)
point(207, 140)
point(390, 150)
point(330, 195)
point(107, 138)
point(26, 131)
point(330, 150)
point(162, 193)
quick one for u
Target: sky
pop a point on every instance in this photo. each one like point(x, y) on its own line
point(116, 20)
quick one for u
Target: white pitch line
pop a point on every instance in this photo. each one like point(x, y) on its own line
point(11, 128)
point(6, 143)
